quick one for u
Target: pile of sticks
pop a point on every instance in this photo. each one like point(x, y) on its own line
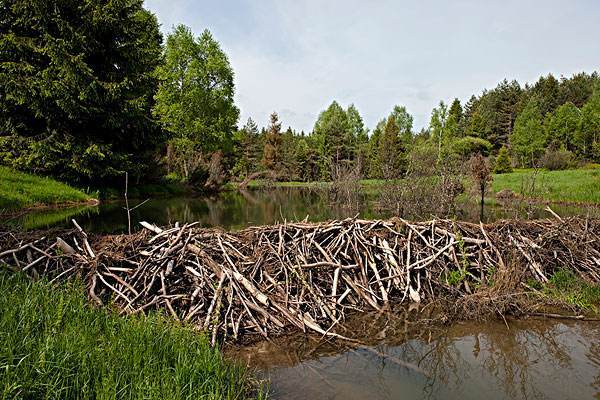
point(308, 276)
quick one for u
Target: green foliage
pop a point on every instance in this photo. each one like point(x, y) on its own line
point(437, 126)
point(390, 150)
point(587, 139)
point(455, 277)
point(467, 146)
point(503, 162)
point(334, 138)
point(546, 90)
point(195, 97)
point(455, 115)
point(272, 151)
point(247, 149)
point(21, 190)
point(566, 286)
point(562, 125)
point(76, 87)
point(54, 346)
point(528, 138)
point(557, 159)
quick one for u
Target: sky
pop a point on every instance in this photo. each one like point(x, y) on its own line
point(296, 56)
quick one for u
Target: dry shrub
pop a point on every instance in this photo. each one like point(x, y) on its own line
point(557, 159)
point(345, 189)
point(430, 187)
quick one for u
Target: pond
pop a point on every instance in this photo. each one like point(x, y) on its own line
point(545, 359)
point(523, 359)
point(236, 210)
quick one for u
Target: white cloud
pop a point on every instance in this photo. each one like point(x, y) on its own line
point(295, 57)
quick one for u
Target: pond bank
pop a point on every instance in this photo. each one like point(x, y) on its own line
point(571, 187)
point(22, 191)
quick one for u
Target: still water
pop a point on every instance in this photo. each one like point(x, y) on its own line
point(533, 359)
point(235, 210)
point(527, 360)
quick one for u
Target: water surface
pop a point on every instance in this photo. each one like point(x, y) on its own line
point(531, 359)
point(236, 210)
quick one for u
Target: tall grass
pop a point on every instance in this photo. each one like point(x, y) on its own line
point(55, 346)
point(579, 185)
point(21, 190)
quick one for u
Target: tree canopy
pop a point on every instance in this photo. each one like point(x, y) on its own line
point(77, 86)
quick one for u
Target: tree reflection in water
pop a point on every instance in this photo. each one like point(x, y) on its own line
point(531, 359)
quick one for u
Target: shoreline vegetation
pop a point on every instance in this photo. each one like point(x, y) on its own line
point(21, 192)
point(56, 346)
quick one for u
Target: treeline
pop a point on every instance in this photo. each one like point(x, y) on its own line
point(552, 123)
point(89, 91)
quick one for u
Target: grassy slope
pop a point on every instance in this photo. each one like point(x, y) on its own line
point(55, 346)
point(21, 190)
point(580, 185)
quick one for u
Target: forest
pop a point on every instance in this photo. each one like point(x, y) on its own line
point(92, 91)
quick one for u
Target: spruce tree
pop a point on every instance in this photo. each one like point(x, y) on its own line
point(76, 87)
point(389, 150)
point(503, 163)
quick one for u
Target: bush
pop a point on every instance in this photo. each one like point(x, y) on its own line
point(557, 159)
point(503, 163)
point(468, 146)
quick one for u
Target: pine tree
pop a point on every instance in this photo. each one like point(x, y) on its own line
point(389, 150)
point(76, 87)
point(503, 163)
point(272, 149)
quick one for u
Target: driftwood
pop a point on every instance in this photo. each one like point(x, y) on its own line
point(303, 276)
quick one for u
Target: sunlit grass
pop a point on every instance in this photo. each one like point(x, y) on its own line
point(55, 346)
point(21, 190)
point(578, 185)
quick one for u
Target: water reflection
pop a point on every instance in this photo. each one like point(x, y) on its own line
point(234, 210)
point(527, 360)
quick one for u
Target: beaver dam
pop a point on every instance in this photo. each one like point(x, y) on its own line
point(311, 277)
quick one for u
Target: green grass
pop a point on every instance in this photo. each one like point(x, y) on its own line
point(55, 346)
point(578, 185)
point(568, 288)
point(20, 190)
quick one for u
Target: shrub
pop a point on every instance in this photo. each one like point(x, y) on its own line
point(503, 162)
point(468, 146)
point(557, 159)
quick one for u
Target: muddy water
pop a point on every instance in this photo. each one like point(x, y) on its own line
point(529, 359)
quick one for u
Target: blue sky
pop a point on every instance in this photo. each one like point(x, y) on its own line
point(295, 57)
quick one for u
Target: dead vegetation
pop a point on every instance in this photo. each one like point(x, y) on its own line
point(310, 276)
